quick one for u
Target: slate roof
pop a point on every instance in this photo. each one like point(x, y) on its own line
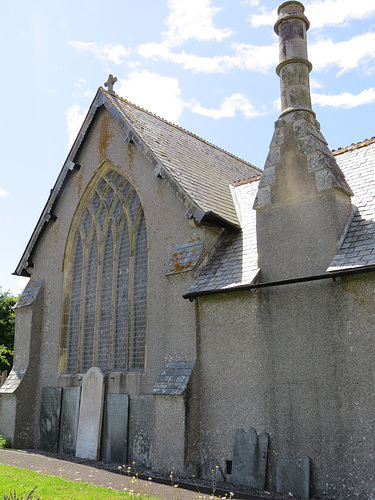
point(199, 172)
point(234, 260)
point(202, 170)
point(357, 162)
point(173, 378)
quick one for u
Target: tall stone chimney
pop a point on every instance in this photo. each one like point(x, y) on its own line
point(303, 200)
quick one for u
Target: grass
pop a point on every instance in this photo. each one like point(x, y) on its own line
point(21, 481)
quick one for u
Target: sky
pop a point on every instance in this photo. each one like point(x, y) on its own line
point(206, 65)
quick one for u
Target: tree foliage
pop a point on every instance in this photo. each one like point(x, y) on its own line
point(7, 321)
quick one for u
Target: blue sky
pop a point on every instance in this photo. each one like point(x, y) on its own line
point(207, 65)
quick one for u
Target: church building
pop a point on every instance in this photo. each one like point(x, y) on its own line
point(188, 311)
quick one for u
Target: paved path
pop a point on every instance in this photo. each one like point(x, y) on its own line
point(100, 477)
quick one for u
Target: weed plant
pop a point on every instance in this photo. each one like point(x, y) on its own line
point(4, 443)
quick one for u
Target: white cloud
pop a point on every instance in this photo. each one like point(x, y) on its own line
point(193, 19)
point(74, 118)
point(256, 57)
point(189, 19)
point(322, 13)
point(104, 52)
point(3, 193)
point(228, 108)
point(332, 12)
point(249, 57)
point(315, 84)
point(160, 51)
point(156, 93)
point(346, 55)
point(345, 100)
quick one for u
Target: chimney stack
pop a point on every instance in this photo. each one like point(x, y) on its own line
point(294, 67)
point(303, 201)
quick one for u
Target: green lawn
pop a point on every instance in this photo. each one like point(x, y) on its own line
point(49, 487)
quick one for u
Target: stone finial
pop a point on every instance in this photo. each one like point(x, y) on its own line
point(294, 66)
point(109, 83)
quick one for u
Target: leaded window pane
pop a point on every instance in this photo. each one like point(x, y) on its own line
point(133, 207)
point(122, 302)
point(104, 334)
point(140, 293)
point(90, 305)
point(75, 306)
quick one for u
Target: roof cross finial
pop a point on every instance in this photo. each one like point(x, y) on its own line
point(109, 83)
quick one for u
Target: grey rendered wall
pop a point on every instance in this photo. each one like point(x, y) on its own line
point(297, 362)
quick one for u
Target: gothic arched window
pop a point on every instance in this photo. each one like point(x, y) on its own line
point(106, 289)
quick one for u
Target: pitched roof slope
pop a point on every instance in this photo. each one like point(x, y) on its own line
point(202, 170)
point(234, 260)
point(357, 162)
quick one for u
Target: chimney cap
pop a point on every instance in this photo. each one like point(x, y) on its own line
point(291, 10)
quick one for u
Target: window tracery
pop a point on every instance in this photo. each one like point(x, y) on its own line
point(107, 285)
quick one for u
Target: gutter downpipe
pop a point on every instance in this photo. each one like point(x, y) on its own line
point(291, 281)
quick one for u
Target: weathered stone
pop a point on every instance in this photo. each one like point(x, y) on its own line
point(293, 476)
point(90, 415)
point(71, 397)
point(115, 428)
point(263, 197)
point(141, 425)
point(250, 458)
point(49, 420)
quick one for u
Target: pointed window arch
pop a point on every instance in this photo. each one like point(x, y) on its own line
point(106, 280)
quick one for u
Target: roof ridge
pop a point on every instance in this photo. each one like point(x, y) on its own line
point(180, 128)
point(354, 146)
point(247, 181)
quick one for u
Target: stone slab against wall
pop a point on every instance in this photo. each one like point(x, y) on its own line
point(170, 434)
point(250, 458)
point(71, 398)
point(141, 430)
point(115, 428)
point(49, 419)
point(293, 476)
point(90, 415)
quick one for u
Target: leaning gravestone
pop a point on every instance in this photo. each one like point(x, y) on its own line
point(293, 476)
point(90, 415)
point(115, 429)
point(49, 420)
point(69, 419)
point(141, 430)
point(250, 458)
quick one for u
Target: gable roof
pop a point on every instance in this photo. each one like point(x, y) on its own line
point(234, 260)
point(202, 171)
point(233, 264)
point(199, 172)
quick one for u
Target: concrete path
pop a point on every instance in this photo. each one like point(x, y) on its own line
point(100, 477)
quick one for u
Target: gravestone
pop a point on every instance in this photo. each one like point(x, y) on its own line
point(250, 458)
point(141, 429)
point(49, 421)
point(90, 415)
point(115, 428)
point(71, 397)
point(293, 476)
